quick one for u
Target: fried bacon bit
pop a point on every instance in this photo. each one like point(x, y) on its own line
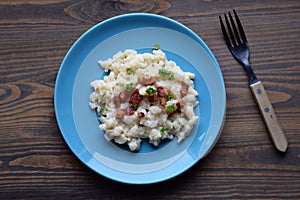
point(181, 110)
point(163, 102)
point(162, 91)
point(140, 115)
point(184, 90)
point(180, 105)
point(117, 101)
point(153, 98)
point(129, 110)
point(123, 96)
point(146, 80)
point(136, 98)
point(120, 114)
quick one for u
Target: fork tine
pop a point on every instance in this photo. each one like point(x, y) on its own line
point(237, 37)
point(241, 30)
point(230, 30)
point(224, 32)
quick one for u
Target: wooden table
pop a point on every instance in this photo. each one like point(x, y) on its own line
point(35, 161)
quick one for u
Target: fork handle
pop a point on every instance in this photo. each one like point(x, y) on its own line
point(270, 118)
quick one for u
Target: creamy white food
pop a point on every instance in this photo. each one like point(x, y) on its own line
point(144, 96)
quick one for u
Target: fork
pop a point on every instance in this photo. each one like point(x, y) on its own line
point(237, 44)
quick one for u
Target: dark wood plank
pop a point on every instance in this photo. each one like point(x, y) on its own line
point(36, 163)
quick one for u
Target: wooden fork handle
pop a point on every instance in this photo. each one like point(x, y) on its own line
point(270, 118)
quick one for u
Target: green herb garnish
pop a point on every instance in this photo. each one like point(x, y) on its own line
point(166, 73)
point(100, 111)
point(171, 108)
point(156, 47)
point(163, 129)
point(169, 97)
point(129, 71)
point(135, 106)
point(129, 87)
point(151, 91)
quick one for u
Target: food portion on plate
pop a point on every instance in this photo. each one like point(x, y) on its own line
point(144, 96)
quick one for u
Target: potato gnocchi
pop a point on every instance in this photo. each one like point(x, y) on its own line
point(144, 96)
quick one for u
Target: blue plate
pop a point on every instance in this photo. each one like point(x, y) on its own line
point(79, 124)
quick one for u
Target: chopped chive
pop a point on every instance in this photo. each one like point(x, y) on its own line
point(156, 47)
point(129, 87)
point(100, 111)
point(163, 129)
point(166, 73)
point(151, 91)
point(129, 71)
point(169, 97)
point(171, 108)
point(135, 106)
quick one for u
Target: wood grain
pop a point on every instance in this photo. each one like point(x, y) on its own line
point(35, 161)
